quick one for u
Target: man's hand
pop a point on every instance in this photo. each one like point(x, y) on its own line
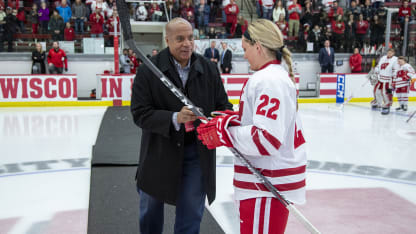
point(186, 115)
point(66, 69)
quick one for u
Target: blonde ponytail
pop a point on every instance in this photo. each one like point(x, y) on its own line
point(287, 56)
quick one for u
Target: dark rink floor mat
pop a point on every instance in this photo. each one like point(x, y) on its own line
point(118, 140)
point(114, 204)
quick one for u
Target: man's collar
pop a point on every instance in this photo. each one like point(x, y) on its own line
point(179, 66)
point(164, 61)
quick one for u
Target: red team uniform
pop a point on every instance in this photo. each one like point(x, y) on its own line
point(269, 134)
point(386, 70)
point(401, 84)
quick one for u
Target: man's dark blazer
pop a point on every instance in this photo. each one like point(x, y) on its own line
point(208, 54)
point(324, 58)
point(226, 61)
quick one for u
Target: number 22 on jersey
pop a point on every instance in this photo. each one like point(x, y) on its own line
point(268, 112)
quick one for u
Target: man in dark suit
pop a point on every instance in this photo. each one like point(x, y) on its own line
point(175, 168)
point(226, 57)
point(212, 53)
point(327, 58)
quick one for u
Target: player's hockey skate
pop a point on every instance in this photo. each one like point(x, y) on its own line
point(399, 108)
point(375, 107)
point(404, 107)
point(385, 110)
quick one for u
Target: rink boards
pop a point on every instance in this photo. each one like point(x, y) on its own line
point(61, 90)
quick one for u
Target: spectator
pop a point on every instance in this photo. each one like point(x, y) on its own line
point(259, 11)
point(125, 62)
point(278, 10)
point(21, 19)
point(354, 9)
point(404, 11)
point(226, 57)
point(349, 33)
point(212, 53)
point(267, 6)
point(241, 27)
point(231, 10)
point(377, 3)
point(188, 8)
point(141, 12)
point(327, 35)
point(307, 15)
point(97, 22)
point(283, 26)
point(355, 61)
point(64, 11)
point(38, 60)
point(34, 18)
point(10, 28)
point(338, 27)
point(224, 4)
point(211, 33)
point(111, 7)
point(202, 34)
point(213, 10)
point(327, 58)
point(110, 27)
point(335, 11)
point(135, 63)
point(315, 36)
point(202, 14)
point(377, 29)
point(56, 26)
point(2, 20)
point(101, 5)
point(361, 30)
point(57, 59)
point(413, 12)
point(79, 15)
point(382, 12)
point(155, 52)
point(294, 16)
point(43, 14)
point(69, 33)
point(367, 10)
point(155, 12)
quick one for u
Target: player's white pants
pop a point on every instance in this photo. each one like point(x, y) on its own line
point(263, 215)
point(403, 95)
point(382, 94)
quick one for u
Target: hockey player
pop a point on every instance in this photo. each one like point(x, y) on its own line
point(267, 130)
point(385, 70)
point(401, 82)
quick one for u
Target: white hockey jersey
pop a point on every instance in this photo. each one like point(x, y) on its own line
point(270, 136)
point(387, 68)
point(404, 75)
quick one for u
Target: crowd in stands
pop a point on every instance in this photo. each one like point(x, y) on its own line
point(307, 23)
point(61, 19)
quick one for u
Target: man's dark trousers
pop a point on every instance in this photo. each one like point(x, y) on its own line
point(189, 205)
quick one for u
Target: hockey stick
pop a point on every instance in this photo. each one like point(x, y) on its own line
point(411, 116)
point(128, 37)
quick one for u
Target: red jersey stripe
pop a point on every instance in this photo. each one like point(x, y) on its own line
point(256, 140)
point(273, 140)
point(272, 173)
point(259, 186)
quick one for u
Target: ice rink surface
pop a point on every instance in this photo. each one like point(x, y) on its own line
point(45, 167)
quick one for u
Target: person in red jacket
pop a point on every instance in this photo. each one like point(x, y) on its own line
point(355, 61)
point(69, 33)
point(231, 10)
point(361, 30)
point(21, 18)
point(404, 11)
point(57, 59)
point(294, 11)
point(283, 25)
point(97, 22)
point(110, 27)
point(133, 59)
point(335, 11)
point(338, 28)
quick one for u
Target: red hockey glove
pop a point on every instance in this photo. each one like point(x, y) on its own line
point(215, 133)
point(234, 122)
